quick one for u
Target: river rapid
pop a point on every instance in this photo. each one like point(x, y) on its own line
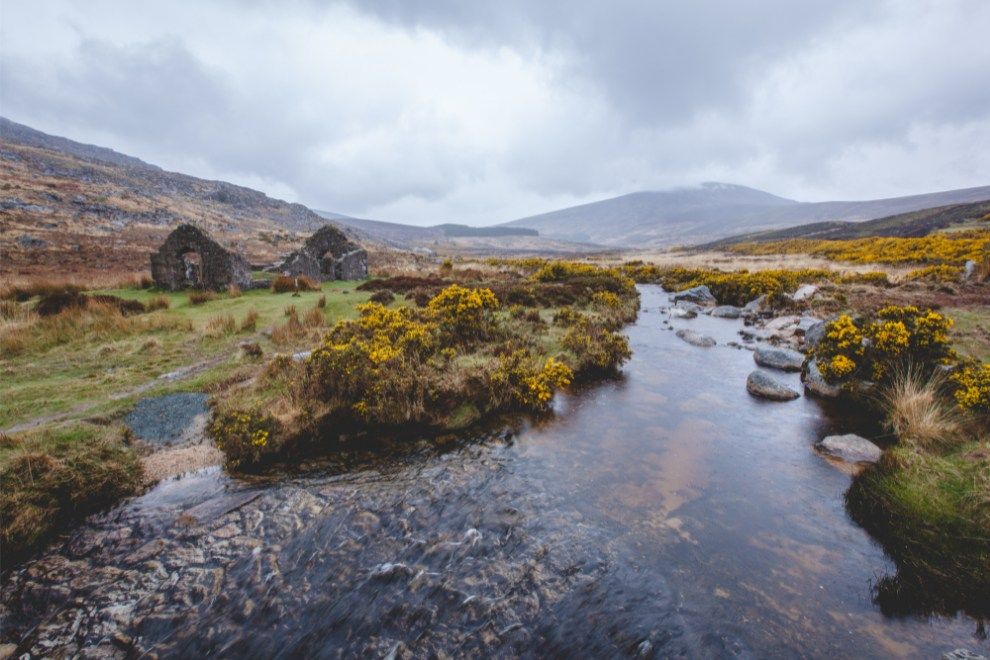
point(665, 513)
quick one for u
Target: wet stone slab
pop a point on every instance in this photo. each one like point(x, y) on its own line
point(169, 419)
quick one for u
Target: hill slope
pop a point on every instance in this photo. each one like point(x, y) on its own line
point(712, 211)
point(79, 207)
point(905, 225)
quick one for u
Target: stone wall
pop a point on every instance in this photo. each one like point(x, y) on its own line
point(327, 255)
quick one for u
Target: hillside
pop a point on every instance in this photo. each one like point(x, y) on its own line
point(80, 208)
point(904, 225)
point(712, 211)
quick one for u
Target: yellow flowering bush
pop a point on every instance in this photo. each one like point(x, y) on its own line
point(606, 300)
point(244, 436)
point(946, 248)
point(937, 273)
point(873, 348)
point(972, 384)
point(531, 385)
point(596, 349)
point(463, 312)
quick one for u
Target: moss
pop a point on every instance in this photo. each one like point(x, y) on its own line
point(931, 512)
point(54, 477)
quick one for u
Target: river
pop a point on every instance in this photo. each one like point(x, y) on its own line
point(666, 513)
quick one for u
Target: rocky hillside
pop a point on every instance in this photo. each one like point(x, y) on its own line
point(81, 208)
point(689, 216)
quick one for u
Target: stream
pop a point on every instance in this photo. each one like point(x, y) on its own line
point(665, 513)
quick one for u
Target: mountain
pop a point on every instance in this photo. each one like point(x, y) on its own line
point(711, 211)
point(78, 207)
point(904, 225)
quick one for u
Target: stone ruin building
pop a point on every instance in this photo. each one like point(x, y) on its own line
point(327, 255)
point(189, 259)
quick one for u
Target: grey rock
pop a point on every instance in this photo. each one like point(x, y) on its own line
point(727, 312)
point(815, 383)
point(695, 339)
point(804, 292)
point(850, 447)
point(29, 241)
point(784, 359)
point(782, 323)
point(700, 295)
point(761, 384)
point(754, 305)
point(679, 312)
point(814, 334)
point(969, 268)
point(327, 255)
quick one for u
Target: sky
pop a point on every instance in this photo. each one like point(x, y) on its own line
point(481, 112)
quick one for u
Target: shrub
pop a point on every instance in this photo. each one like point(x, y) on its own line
point(532, 386)
point(251, 349)
point(447, 265)
point(464, 313)
point(244, 436)
point(939, 273)
point(234, 291)
point(250, 321)
point(384, 297)
point(321, 302)
point(292, 330)
point(972, 387)
point(283, 284)
point(596, 349)
point(875, 348)
point(221, 325)
point(199, 297)
point(156, 303)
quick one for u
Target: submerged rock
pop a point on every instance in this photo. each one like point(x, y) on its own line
point(695, 338)
point(679, 312)
point(785, 359)
point(815, 383)
point(700, 295)
point(763, 385)
point(850, 447)
point(727, 312)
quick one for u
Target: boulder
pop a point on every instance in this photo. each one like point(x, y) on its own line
point(850, 447)
point(784, 359)
point(754, 305)
point(814, 334)
point(969, 268)
point(727, 312)
point(700, 295)
point(815, 383)
point(696, 339)
point(761, 384)
point(782, 323)
point(804, 292)
point(689, 306)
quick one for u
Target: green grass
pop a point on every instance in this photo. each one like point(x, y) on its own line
point(971, 332)
point(86, 371)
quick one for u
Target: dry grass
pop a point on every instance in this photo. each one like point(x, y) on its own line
point(289, 332)
point(918, 411)
point(234, 291)
point(314, 317)
point(304, 283)
point(200, 297)
point(283, 284)
point(250, 321)
point(30, 287)
point(290, 310)
point(220, 326)
point(158, 302)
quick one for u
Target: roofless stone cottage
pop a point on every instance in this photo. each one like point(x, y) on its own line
point(327, 255)
point(190, 259)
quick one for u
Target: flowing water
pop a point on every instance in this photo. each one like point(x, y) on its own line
point(667, 513)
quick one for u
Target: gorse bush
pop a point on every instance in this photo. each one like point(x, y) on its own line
point(939, 273)
point(874, 348)
point(243, 436)
point(455, 359)
point(972, 387)
point(948, 248)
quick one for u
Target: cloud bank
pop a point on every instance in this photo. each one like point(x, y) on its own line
point(445, 111)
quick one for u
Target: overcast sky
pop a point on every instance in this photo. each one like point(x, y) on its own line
point(478, 112)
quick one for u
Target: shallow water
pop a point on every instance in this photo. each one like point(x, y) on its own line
point(665, 513)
